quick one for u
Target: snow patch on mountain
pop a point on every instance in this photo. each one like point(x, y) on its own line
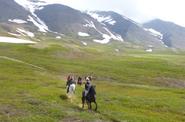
point(89, 24)
point(103, 41)
point(157, 34)
point(42, 27)
point(14, 34)
point(58, 37)
point(100, 18)
point(32, 6)
point(15, 40)
point(84, 43)
point(115, 37)
point(126, 18)
point(30, 34)
point(92, 25)
point(111, 22)
point(83, 34)
point(117, 50)
point(150, 46)
point(107, 38)
point(149, 50)
point(163, 43)
point(60, 34)
point(40, 24)
point(103, 19)
point(18, 21)
point(154, 33)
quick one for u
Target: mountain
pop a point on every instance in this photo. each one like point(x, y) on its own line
point(173, 34)
point(17, 18)
point(127, 28)
point(66, 20)
point(9, 9)
point(9, 12)
point(30, 17)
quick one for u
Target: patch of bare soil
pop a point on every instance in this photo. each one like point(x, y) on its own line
point(9, 111)
point(71, 119)
point(170, 82)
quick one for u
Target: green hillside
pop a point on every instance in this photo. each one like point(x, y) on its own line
point(131, 85)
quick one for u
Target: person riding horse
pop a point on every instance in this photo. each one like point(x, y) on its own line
point(70, 80)
point(87, 85)
point(80, 81)
point(89, 94)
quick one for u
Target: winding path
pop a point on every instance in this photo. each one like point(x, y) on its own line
point(19, 61)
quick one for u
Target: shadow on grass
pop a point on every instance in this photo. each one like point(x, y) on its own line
point(63, 97)
point(62, 87)
point(72, 119)
point(78, 108)
point(110, 117)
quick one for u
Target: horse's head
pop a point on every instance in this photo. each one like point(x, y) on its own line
point(88, 78)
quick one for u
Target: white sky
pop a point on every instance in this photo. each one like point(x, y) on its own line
point(138, 10)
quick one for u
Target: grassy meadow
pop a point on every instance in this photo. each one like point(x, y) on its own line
point(131, 85)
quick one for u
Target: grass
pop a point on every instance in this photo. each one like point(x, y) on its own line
point(132, 86)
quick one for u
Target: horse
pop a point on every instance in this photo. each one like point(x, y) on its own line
point(90, 98)
point(71, 85)
point(71, 89)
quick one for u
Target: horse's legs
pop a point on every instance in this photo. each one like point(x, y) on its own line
point(83, 102)
point(90, 106)
point(83, 99)
point(67, 89)
point(96, 106)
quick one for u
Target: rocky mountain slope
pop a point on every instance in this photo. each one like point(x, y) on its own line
point(29, 17)
point(173, 34)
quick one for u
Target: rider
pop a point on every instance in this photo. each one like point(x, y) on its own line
point(87, 85)
point(79, 80)
point(70, 80)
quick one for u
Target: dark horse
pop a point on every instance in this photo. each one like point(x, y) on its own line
point(91, 97)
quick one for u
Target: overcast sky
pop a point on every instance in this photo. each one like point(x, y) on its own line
point(138, 10)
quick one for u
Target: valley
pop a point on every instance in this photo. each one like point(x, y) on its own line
point(131, 85)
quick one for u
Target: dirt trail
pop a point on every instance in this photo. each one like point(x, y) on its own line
point(19, 61)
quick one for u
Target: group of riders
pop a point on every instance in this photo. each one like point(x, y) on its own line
point(88, 94)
